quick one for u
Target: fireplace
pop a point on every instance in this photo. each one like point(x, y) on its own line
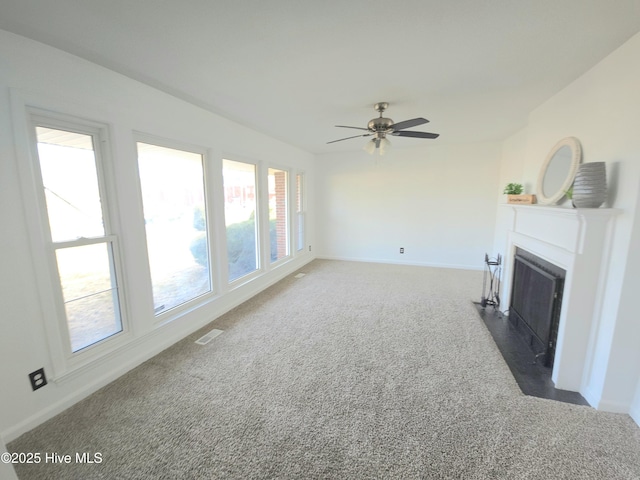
point(536, 299)
point(577, 241)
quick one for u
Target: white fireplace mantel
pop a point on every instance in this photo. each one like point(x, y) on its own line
point(579, 241)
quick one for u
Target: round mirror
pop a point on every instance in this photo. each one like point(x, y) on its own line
point(558, 171)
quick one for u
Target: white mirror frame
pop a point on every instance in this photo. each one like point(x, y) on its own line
point(576, 157)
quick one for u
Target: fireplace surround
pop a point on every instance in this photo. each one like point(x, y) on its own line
point(577, 241)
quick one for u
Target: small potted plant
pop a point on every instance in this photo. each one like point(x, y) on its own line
point(569, 195)
point(514, 194)
point(513, 189)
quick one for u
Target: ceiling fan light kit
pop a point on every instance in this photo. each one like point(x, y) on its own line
point(370, 147)
point(380, 127)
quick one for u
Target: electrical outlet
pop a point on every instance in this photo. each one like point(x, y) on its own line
point(309, 247)
point(38, 379)
point(401, 249)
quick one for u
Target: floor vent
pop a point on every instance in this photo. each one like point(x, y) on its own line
point(208, 337)
point(300, 275)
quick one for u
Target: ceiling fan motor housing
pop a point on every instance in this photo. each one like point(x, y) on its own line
point(380, 124)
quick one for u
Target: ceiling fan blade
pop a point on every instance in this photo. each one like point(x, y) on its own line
point(358, 128)
point(347, 138)
point(414, 122)
point(416, 134)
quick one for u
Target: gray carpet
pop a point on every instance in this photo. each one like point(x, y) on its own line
point(353, 371)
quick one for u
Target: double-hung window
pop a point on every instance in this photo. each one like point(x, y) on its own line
point(300, 212)
point(83, 248)
point(278, 184)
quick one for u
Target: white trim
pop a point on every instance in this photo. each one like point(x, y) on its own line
point(634, 412)
point(297, 215)
point(222, 238)
point(595, 399)
point(612, 406)
point(415, 264)
point(579, 241)
point(177, 311)
point(53, 316)
point(142, 349)
point(289, 255)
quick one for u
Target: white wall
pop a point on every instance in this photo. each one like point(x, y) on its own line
point(601, 109)
point(435, 201)
point(623, 366)
point(37, 75)
point(512, 167)
point(635, 405)
point(6, 469)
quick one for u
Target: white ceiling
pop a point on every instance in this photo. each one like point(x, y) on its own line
point(294, 69)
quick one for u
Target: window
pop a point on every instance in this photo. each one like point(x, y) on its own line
point(173, 197)
point(240, 217)
point(278, 220)
point(300, 211)
point(69, 161)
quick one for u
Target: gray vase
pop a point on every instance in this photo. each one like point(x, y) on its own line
point(590, 185)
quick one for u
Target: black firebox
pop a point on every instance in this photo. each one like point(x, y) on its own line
point(536, 298)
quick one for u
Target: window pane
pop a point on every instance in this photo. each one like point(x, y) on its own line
point(68, 166)
point(300, 210)
point(90, 295)
point(278, 225)
point(173, 196)
point(240, 217)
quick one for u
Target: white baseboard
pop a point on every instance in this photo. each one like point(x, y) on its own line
point(592, 397)
point(142, 349)
point(398, 262)
point(634, 413)
point(613, 407)
point(599, 403)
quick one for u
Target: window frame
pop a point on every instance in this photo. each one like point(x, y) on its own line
point(260, 267)
point(173, 313)
point(300, 214)
point(111, 242)
point(288, 207)
point(49, 286)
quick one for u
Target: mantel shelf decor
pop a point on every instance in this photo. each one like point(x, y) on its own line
point(559, 170)
point(521, 199)
point(590, 185)
point(515, 195)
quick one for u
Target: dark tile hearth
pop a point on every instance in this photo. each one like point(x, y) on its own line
point(533, 379)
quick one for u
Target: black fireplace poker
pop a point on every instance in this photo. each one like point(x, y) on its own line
point(491, 279)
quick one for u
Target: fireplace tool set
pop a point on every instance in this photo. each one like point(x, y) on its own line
point(491, 279)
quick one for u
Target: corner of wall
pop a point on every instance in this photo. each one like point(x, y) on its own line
point(6, 469)
point(634, 411)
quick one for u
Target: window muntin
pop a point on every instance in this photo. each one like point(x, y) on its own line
point(84, 254)
point(173, 197)
point(277, 181)
point(240, 217)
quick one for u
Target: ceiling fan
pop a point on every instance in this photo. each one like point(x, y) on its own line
point(380, 127)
